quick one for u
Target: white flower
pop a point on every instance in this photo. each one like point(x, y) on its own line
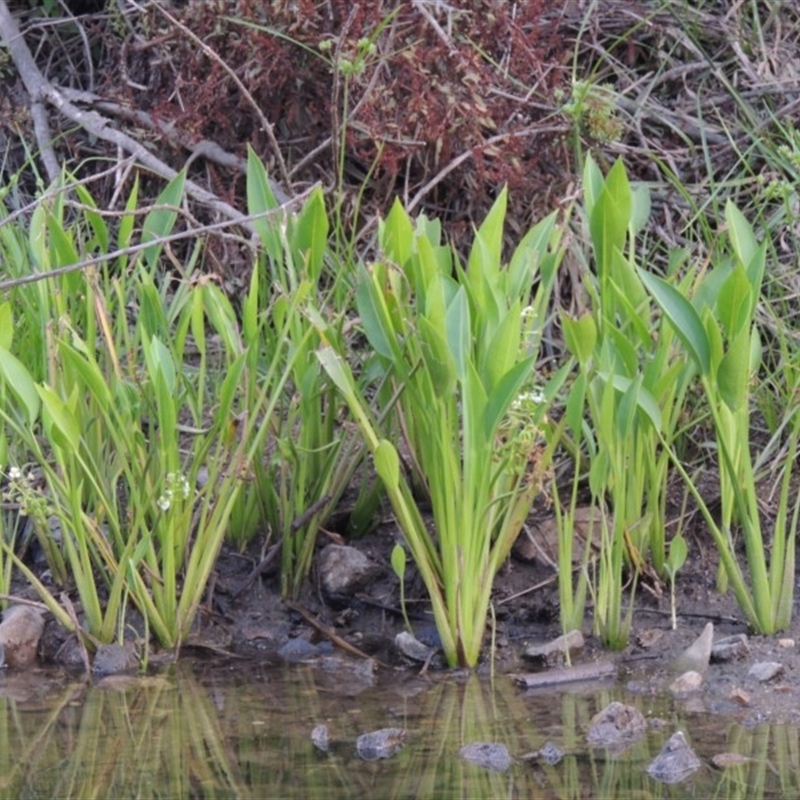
point(14, 473)
point(165, 501)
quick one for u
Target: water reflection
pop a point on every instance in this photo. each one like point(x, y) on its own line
point(241, 731)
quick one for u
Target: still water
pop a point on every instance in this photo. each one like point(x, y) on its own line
point(203, 729)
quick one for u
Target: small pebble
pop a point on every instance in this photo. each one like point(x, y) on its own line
point(687, 683)
point(319, 737)
point(765, 671)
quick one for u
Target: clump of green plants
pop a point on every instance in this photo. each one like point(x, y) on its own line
point(627, 393)
point(311, 456)
point(128, 421)
point(459, 346)
point(715, 322)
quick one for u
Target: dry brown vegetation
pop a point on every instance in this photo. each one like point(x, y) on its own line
point(438, 103)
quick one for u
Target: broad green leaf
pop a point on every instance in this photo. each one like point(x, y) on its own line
point(95, 220)
point(626, 359)
point(396, 235)
point(744, 242)
point(733, 373)
point(576, 406)
point(21, 383)
point(61, 245)
point(640, 197)
point(627, 408)
point(528, 256)
point(60, 422)
point(250, 315)
point(229, 390)
point(486, 251)
point(310, 234)
point(643, 399)
point(685, 320)
point(426, 266)
point(88, 375)
point(126, 223)
point(6, 325)
point(439, 361)
point(375, 318)
point(161, 220)
point(580, 336)
point(733, 302)
point(398, 560)
point(459, 337)
point(387, 464)
point(592, 184)
point(222, 317)
point(630, 297)
point(678, 552)
point(261, 201)
point(501, 351)
point(610, 218)
point(159, 361)
point(504, 393)
point(338, 371)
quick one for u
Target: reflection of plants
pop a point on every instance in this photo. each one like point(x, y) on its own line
point(147, 739)
point(459, 353)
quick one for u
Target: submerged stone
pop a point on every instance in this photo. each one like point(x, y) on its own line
point(676, 761)
point(296, 650)
point(320, 738)
point(686, 683)
point(489, 755)
point(383, 743)
point(617, 725)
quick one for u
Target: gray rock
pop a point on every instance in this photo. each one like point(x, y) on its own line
point(730, 648)
point(296, 650)
point(765, 671)
point(489, 755)
point(20, 632)
point(115, 659)
point(616, 726)
point(698, 654)
point(413, 648)
point(320, 738)
point(551, 754)
point(557, 647)
point(383, 743)
point(344, 570)
point(676, 761)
